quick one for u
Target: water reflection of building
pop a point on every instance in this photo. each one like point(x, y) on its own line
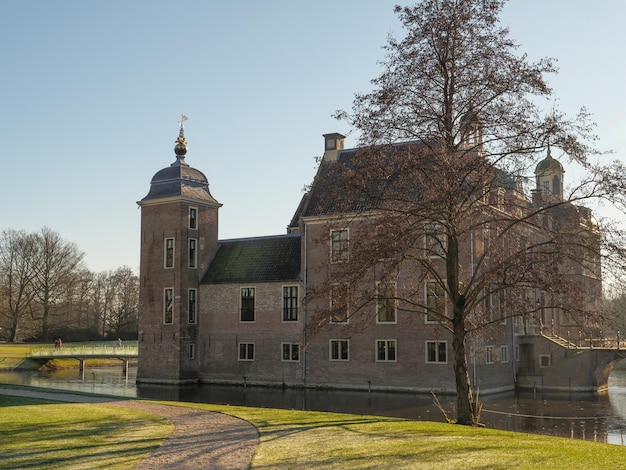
point(233, 311)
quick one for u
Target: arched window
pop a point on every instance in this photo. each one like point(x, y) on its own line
point(556, 185)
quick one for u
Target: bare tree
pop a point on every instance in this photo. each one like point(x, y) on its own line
point(56, 270)
point(17, 250)
point(125, 308)
point(102, 295)
point(436, 195)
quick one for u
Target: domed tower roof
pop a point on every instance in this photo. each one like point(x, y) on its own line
point(180, 179)
point(549, 165)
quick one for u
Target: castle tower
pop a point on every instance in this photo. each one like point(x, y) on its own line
point(179, 222)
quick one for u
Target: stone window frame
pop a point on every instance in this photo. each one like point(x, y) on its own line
point(248, 311)
point(168, 306)
point(290, 303)
point(389, 354)
point(292, 351)
point(169, 245)
point(246, 351)
point(335, 345)
point(436, 359)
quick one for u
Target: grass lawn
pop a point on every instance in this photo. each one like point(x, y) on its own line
point(97, 436)
point(297, 439)
point(75, 436)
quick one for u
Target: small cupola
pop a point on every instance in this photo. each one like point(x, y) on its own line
point(549, 176)
point(471, 129)
point(333, 145)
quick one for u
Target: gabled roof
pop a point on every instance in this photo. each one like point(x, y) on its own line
point(262, 259)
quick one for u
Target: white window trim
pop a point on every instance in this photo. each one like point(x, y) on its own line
point(490, 354)
point(436, 342)
point(347, 320)
point(330, 350)
point(426, 312)
point(347, 255)
point(504, 354)
point(395, 304)
point(240, 304)
point(189, 216)
point(549, 360)
point(282, 310)
point(195, 313)
point(431, 231)
point(165, 289)
point(195, 253)
point(239, 350)
point(291, 345)
point(165, 266)
point(387, 341)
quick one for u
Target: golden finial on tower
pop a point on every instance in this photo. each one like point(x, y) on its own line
point(181, 142)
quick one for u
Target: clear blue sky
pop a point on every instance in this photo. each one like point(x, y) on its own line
point(91, 92)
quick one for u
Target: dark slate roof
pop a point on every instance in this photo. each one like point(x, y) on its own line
point(179, 179)
point(333, 191)
point(262, 259)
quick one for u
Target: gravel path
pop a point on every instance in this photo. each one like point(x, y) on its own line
point(202, 439)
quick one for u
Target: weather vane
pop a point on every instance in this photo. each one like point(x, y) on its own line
point(181, 133)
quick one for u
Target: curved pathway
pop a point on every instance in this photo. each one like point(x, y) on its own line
point(201, 439)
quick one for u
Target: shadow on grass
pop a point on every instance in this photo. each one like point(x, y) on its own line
point(52, 435)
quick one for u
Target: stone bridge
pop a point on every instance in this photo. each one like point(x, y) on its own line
point(82, 353)
point(550, 363)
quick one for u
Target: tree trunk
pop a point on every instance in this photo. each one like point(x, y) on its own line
point(13, 335)
point(464, 402)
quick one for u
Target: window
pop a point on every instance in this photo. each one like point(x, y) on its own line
point(502, 307)
point(339, 349)
point(168, 306)
point(504, 354)
point(544, 360)
point(169, 253)
point(247, 304)
point(488, 305)
point(516, 353)
point(192, 351)
point(435, 302)
point(290, 303)
point(191, 296)
point(339, 303)
point(386, 303)
point(489, 357)
point(436, 352)
point(291, 352)
point(246, 351)
point(385, 350)
point(434, 241)
point(193, 257)
point(193, 218)
point(339, 240)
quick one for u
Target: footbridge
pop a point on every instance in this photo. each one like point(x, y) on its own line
point(551, 363)
point(124, 353)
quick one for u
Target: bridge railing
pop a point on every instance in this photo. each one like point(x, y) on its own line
point(85, 351)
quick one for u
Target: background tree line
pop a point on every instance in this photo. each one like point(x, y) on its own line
point(46, 291)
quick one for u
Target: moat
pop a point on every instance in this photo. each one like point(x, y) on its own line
point(598, 417)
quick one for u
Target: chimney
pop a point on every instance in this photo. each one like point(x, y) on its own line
point(333, 144)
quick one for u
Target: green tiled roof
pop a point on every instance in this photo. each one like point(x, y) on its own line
point(261, 259)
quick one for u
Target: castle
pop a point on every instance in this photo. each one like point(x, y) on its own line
point(240, 311)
